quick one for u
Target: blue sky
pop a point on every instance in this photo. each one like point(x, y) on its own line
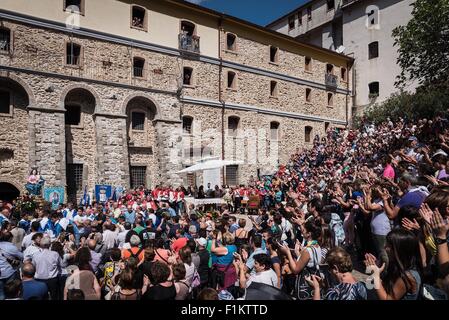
point(260, 12)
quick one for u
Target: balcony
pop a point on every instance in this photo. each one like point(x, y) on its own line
point(331, 81)
point(190, 44)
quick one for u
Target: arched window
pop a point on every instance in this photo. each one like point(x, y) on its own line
point(187, 123)
point(373, 89)
point(274, 130)
point(373, 50)
point(138, 18)
point(187, 76)
point(188, 28)
point(232, 82)
point(5, 102)
point(231, 41)
point(5, 40)
point(307, 133)
point(233, 124)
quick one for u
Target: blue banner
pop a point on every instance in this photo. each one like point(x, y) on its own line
point(103, 193)
point(54, 195)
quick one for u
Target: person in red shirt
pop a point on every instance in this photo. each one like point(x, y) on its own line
point(180, 242)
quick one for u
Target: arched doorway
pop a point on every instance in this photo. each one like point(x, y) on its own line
point(8, 192)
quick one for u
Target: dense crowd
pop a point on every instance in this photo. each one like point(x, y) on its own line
point(375, 199)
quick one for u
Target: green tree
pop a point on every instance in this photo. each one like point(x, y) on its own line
point(424, 44)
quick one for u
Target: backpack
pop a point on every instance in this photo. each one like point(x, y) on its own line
point(303, 291)
point(135, 255)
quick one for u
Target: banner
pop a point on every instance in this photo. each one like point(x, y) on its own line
point(54, 195)
point(103, 193)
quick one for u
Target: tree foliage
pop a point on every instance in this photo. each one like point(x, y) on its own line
point(423, 44)
point(427, 102)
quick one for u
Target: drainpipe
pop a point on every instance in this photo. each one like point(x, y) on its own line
point(220, 97)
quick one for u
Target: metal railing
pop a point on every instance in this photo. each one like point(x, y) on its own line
point(138, 72)
point(73, 60)
point(189, 43)
point(5, 45)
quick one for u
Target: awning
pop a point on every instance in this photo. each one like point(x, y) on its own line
point(210, 164)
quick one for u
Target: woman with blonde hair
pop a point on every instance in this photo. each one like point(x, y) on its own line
point(224, 274)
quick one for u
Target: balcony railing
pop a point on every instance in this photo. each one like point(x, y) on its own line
point(189, 43)
point(331, 81)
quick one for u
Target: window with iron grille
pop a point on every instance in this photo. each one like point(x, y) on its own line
point(138, 176)
point(138, 121)
point(5, 102)
point(5, 40)
point(232, 175)
point(138, 66)
point(233, 124)
point(73, 54)
point(74, 179)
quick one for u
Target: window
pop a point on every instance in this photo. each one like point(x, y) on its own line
point(273, 89)
point(373, 89)
point(330, 5)
point(138, 67)
point(187, 124)
point(138, 121)
point(138, 176)
point(5, 40)
point(308, 64)
point(330, 99)
point(232, 175)
point(233, 124)
point(300, 18)
point(308, 95)
point(309, 13)
point(138, 17)
point(274, 54)
point(187, 76)
point(307, 133)
point(188, 28)
point(73, 115)
point(231, 80)
point(74, 6)
point(274, 130)
point(291, 22)
point(74, 179)
point(73, 54)
point(231, 41)
point(5, 102)
point(329, 69)
point(344, 74)
point(373, 50)
point(326, 126)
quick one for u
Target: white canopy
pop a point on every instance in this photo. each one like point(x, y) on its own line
point(208, 165)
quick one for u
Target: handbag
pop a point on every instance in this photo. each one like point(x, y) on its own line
point(303, 291)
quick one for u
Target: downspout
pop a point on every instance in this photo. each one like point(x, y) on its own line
point(220, 97)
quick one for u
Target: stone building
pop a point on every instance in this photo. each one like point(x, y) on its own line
point(361, 29)
point(128, 93)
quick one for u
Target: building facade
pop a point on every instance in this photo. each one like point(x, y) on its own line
point(128, 94)
point(361, 29)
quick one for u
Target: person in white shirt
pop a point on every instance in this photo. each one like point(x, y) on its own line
point(27, 240)
point(109, 235)
point(29, 252)
point(120, 240)
point(264, 273)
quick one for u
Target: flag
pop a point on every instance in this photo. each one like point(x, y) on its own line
point(114, 195)
point(85, 199)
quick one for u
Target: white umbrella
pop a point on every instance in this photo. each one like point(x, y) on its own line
point(208, 165)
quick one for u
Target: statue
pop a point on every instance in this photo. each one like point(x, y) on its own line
point(35, 183)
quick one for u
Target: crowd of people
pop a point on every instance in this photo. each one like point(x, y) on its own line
point(375, 199)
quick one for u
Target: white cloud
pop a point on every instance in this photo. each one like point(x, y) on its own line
point(196, 1)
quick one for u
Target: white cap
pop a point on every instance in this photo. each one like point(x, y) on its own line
point(439, 152)
point(135, 240)
point(202, 242)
